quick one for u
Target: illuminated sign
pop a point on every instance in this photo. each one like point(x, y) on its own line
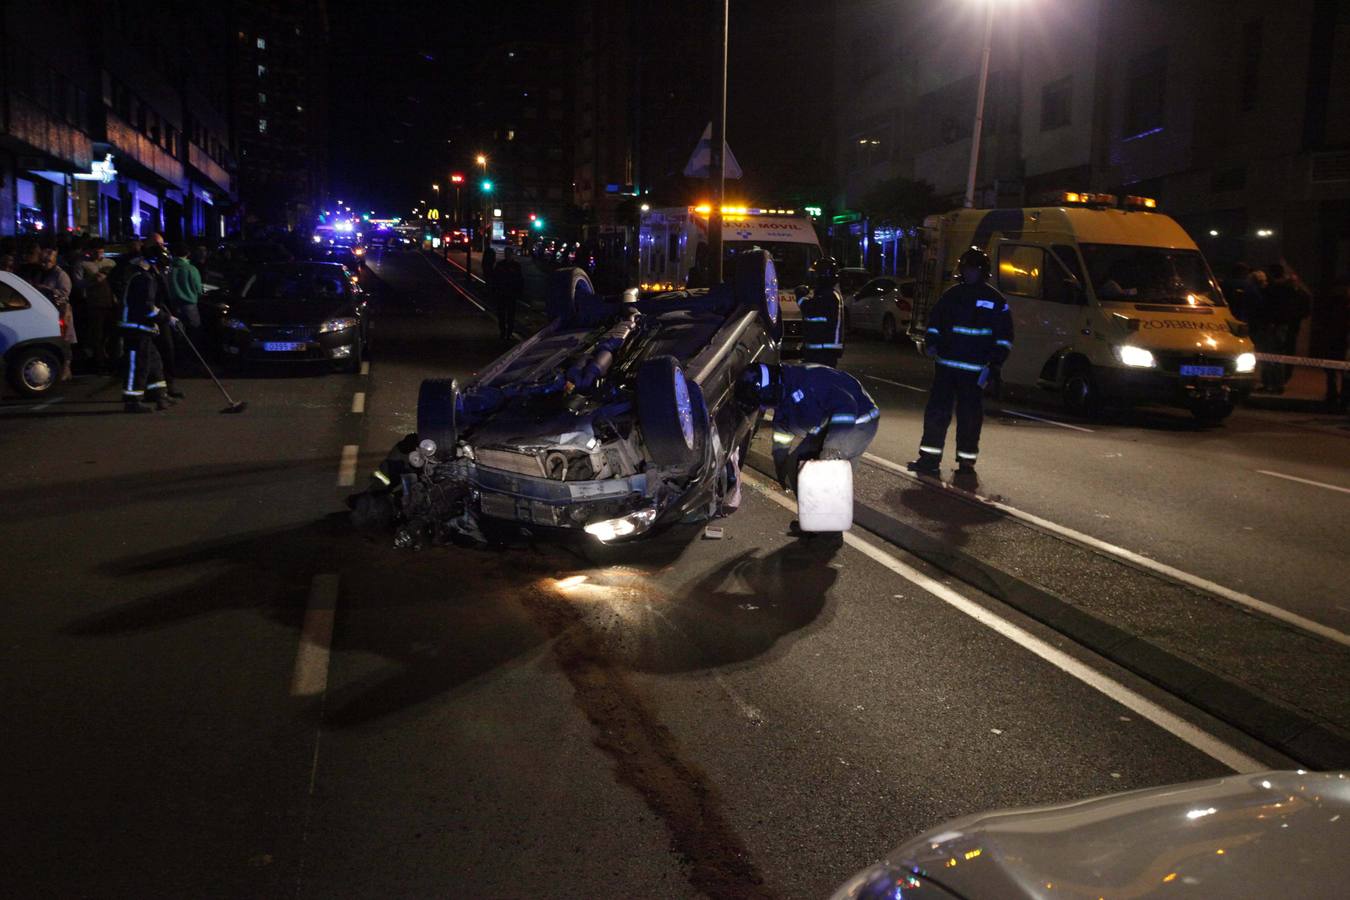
point(100, 170)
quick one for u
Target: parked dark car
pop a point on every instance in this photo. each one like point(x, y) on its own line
point(615, 420)
point(292, 312)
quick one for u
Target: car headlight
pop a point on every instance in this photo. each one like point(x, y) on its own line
point(234, 323)
point(336, 325)
point(612, 529)
point(1245, 362)
point(1135, 357)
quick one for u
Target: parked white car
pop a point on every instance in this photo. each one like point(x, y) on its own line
point(32, 349)
point(882, 306)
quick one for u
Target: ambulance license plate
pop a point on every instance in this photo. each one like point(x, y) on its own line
point(1203, 371)
point(282, 346)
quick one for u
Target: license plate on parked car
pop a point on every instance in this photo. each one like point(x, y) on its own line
point(282, 346)
point(1203, 371)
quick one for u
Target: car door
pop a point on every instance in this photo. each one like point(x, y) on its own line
point(1046, 311)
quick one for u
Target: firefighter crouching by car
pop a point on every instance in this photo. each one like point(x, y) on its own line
point(970, 334)
point(142, 318)
point(819, 413)
point(823, 315)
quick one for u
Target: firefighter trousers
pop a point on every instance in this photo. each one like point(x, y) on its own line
point(959, 388)
point(145, 368)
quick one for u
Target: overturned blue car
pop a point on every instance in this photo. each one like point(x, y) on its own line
point(616, 419)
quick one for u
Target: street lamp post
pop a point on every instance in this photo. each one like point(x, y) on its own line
point(979, 104)
point(716, 162)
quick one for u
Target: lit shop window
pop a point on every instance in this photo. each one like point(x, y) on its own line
point(262, 126)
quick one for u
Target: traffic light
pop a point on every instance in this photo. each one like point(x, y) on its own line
point(532, 217)
point(456, 178)
point(487, 186)
point(538, 223)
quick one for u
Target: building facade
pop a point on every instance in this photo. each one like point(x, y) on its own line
point(114, 128)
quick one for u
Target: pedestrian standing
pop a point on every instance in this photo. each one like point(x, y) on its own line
point(969, 336)
point(1287, 304)
point(164, 337)
point(54, 284)
point(94, 276)
point(185, 290)
point(489, 261)
point(1241, 292)
point(508, 287)
point(143, 317)
point(823, 315)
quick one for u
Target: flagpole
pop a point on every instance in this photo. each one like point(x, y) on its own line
point(716, 160)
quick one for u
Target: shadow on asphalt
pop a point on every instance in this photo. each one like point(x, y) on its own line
point(953, 518)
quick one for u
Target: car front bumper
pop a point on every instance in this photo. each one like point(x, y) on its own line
point(1153, 386)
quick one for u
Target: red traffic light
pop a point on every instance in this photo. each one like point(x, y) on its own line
point(456, 178)
point(532, 217)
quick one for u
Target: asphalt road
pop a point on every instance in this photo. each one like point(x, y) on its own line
point(212, 687)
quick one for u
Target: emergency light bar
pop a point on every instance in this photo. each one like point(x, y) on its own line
point(1097, 201)
point(1134, 201)
point(704, 209)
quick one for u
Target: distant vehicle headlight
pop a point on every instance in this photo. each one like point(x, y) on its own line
point(1135, 357)
point(1246, 362)
point(336, 325)
point(234, 323)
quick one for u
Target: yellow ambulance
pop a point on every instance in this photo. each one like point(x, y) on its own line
point(1113, 303)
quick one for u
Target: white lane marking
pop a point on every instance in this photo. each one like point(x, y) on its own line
point(359, 402)
point(896, 383)
point(1140, 560)
point(365, 368)
point(316, 638)
point(463, 293)
point(1201, 740)
point(1321, 484)
point(1022, 415)
point(45, 404)
point(347, 466)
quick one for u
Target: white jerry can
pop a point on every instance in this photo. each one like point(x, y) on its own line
point(825, 495)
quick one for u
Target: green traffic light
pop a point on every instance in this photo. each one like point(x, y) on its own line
point(538, 224)
point(487, 187)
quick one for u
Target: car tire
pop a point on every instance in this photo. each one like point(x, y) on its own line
point(674, 425)
point(888, 329)
point(1081, 395)
point(437, 400)
point(35, 371)
point(755, 286)
point(560, 294)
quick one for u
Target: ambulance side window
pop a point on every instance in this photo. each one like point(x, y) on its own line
point(1063, 264)
point(1019, 270)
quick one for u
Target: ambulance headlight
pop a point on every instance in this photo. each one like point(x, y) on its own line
point(1246, 362)
point(1135, 357)
point(613, 529)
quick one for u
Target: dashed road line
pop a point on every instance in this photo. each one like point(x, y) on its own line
point(896, 383)
point(1321, 484)
point(359, 402)
point(1022, 415)
point(316, 638)
point(1139, 560)
point(1201, 740)
point(365, 368)
point(347, 466)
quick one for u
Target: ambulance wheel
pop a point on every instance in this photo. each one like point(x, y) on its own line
point(436, 401)
point(755, 285)
point(674, 424)
point(1081, 395)
point(888, 329)
point(34, 371)
point(560, 294)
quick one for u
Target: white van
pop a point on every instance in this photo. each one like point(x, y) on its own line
point(32, 348)
point(1110, 305)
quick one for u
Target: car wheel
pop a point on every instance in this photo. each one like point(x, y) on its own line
point(673, 423)
point(888, 329)
point(436, 413)
point(1081, 395)
point(755, 286)
point(561, 294)
point(35, 371)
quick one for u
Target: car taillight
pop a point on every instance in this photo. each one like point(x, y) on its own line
point(62, 322)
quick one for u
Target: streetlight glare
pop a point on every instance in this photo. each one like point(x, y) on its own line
point(481, 159)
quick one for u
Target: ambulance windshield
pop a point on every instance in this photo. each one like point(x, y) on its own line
point(1150, 274)
point(791, 260)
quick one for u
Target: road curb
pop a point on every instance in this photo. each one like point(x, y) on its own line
point(1305, 739)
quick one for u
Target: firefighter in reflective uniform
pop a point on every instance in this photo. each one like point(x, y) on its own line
point(143, 315)
point(819, 413)
point(970, 334)
point(823, 316)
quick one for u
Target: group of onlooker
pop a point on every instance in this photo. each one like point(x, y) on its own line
point(87, 288)
point(1274, 301)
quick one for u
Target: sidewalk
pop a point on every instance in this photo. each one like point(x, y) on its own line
point(1305, 391)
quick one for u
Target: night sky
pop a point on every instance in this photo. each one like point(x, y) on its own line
point(400, 82)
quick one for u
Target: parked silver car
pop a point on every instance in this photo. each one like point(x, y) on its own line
point(883, 306)
point(1277, 834)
